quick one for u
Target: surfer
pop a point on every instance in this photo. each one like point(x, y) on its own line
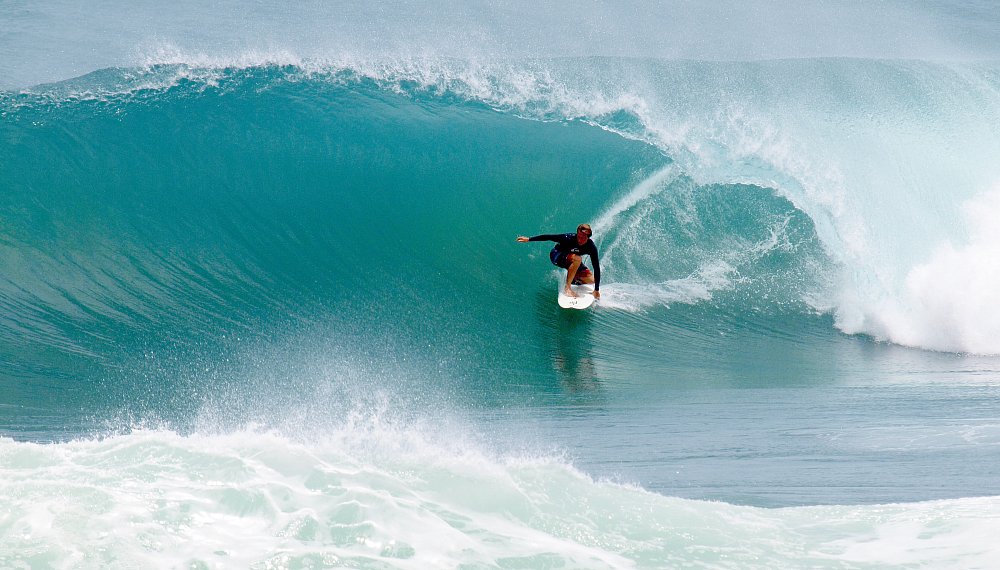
point(568, 254)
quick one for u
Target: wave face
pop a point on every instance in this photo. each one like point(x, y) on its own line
point(197, 225)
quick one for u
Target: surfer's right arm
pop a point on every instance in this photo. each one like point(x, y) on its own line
point(543, 237)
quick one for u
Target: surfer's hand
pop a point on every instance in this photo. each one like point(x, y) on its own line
point(522, 239)
point(597, 294)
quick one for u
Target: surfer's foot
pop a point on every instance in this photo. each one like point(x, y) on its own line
point(570, 293)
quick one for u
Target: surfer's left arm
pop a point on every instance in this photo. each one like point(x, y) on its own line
point(597, 270)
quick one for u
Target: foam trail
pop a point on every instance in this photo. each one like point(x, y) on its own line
point(656, 182)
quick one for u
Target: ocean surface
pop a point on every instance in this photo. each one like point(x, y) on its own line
point(261, 303)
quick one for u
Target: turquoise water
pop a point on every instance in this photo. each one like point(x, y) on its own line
point(261, 304)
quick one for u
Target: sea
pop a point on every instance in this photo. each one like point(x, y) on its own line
point(262, 304)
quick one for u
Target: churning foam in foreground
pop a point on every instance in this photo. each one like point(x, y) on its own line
point(155, 499)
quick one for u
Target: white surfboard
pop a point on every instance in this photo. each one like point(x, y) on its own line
point(584, 300)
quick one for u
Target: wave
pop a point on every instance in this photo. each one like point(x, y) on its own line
point(174, 230)
point(162, 219)
point(853, 145)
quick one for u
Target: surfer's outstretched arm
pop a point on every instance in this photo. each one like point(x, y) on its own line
point(543, 237)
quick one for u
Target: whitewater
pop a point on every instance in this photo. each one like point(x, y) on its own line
point(261, 304)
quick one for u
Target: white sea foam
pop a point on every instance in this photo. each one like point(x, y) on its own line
point(712, 277)
point(246, 499)
point(950, 301)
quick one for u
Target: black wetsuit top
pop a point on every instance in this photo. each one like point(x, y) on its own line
point(567, 244)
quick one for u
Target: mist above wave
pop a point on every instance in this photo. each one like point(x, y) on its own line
point(58, 40)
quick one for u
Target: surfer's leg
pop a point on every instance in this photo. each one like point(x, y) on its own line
point(574, 264)
point(585, 275)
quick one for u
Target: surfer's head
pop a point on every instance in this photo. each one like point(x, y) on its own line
point(583, 233)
